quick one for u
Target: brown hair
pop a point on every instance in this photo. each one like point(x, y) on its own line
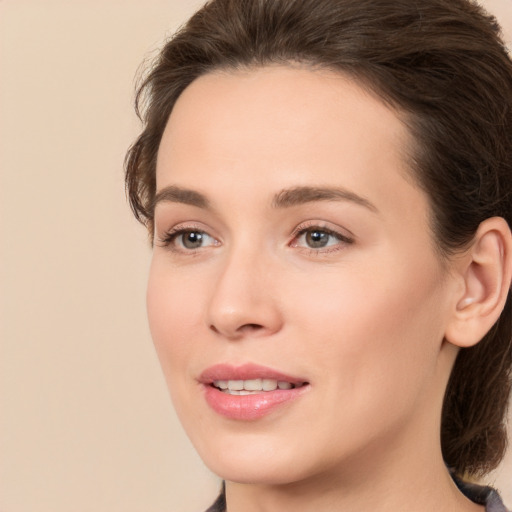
point(443, 67)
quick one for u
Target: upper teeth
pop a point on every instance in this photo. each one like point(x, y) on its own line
point(252, 385)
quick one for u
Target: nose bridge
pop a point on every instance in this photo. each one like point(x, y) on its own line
point(241, 302)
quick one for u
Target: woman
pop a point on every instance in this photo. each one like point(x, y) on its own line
point(327, 187)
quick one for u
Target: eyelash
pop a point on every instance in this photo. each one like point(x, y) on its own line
point(304, 229)
point(169, 237)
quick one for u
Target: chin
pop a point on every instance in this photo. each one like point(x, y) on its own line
point(254, 460)
point(266, 472)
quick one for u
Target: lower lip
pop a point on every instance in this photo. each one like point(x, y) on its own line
point(250, 407)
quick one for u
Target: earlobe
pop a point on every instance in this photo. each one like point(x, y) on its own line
point(486, 272)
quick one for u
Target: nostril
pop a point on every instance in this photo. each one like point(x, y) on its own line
point(250, 327)
point(238, 331)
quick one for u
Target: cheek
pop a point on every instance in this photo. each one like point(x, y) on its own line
point(175, 321)
point(373, 349)
point(354, 305)
point(173, 314)
point(377, 334)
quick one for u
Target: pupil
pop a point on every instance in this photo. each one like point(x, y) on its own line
point(192, 240)
point(317, 239)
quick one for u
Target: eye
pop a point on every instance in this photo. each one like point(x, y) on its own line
point(187, 239)
point(193, 239)
point(318, 238)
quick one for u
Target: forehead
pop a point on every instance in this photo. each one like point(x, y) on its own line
point(280, 126)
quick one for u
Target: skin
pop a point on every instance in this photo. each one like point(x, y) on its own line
point(363, 321)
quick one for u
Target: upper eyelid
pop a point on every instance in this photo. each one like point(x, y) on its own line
point(323, 226)
point(332, 232)
point(186, 226)
point(175, 232)
point(339, 237)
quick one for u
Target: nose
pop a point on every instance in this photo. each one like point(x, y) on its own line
point(244, 301)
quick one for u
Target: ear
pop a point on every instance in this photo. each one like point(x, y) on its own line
point(486, 273)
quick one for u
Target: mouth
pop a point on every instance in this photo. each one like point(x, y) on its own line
point(249, 392)
point(253, 386)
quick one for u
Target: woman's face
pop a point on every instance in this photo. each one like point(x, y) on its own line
point(292, 249)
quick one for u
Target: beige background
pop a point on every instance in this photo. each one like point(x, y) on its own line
point(85, 421)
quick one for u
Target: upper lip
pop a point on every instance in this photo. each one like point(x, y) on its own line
point(245, 372)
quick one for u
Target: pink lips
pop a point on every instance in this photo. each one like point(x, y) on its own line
point(247, 407)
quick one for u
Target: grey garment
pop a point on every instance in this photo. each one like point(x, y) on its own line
point(480, 494)
point(220, 503)
point(483, 495)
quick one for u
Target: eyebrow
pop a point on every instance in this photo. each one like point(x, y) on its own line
point(284, 199)
point(174, 194)
point(301, 195)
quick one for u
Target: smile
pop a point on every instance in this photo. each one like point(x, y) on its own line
point(252, 386)
point(249, 392)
